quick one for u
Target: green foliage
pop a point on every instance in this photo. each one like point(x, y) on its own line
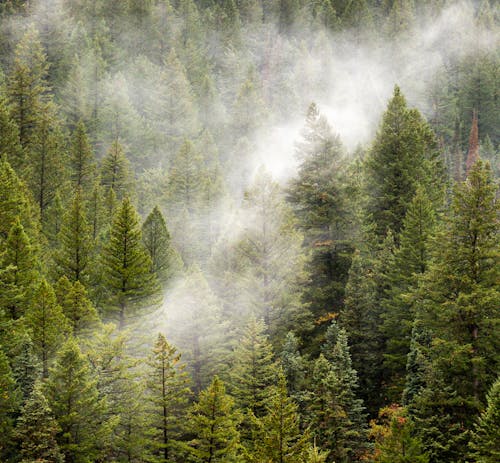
point(126, 264)
point(77, 406)
point(47, 324)
point(485, 442)
point(168, 396)
point(115, 173)
point(403, 154)
point(214, 421)
point(82, 162)
point(8, 403)
point(37, 429)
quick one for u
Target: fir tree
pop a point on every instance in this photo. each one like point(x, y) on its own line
point(25, 366)
point(254, 369)
point(20, 271)
point(485, 442)
point(126, 264)
point(214, 422)
point(82, 162)
point(168, 395)
point(75, 245)
point(47, 324)
point(37, 429)
point(402, 154)
point(10, 148)
point(77, 406)
point(115, 171)
point(156, 238)
point(278, 436)
point(8, 404)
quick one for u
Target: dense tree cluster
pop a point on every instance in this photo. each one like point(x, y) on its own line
point(165, 299)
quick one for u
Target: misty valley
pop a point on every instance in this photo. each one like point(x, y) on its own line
point(249, 231)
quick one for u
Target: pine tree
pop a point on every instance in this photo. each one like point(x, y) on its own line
point(254, 369)
point(126, 265)
point(336, 415)
point(25, 366)
point(10, 148)
point(457, 304)
point(77, 406)
point(214, 422)
point(168, 396)
point(402, 155)
point(278, 437)
point(20, 271)
point(394, 442)
point(485, 442)
point(115, 171)
point(473, 153)
point(411, 261)
point(294, 365)
point(47, 324)
point(318, 201)
point(8, 403)
point(46, 170)
point(27, 86)
point(37, 429)
point(76, 306)
point(82, 162)
point(14, 201)
point(156, 238)
point(53, 219)
point(73, 258)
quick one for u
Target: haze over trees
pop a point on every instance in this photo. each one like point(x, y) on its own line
point(249, 231)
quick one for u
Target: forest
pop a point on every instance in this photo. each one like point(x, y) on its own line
point(249, 231)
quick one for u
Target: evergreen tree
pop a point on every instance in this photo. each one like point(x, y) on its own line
point(10, 148)
point(126, 264)
point(81, 314)
point(294, 365)
point(115, 171)
point(75, 245)
point(156, 238)
point(25, 366)
point(82, 160)
point(168, 395)
point(214, 422)
point(8, 404)
point(485, 442)
point(14, 201)
point(404, 153)
point(37, 429)
point(393, 438)
point(20, 271)
point(54, 219)
point(77, 406)
point(254, 369)
point(278, 437)
point(457, 304)
point(47, 324)
point(411, 261)
point(27, 86)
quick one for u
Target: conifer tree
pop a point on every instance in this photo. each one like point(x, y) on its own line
point(82, 160)
point(20, 271)
point(75, 245)
point(411, 261)
point(126, 265)
point(47, 323)
point(25, 366)
point(115, 171)
point(95, 210)
point(278, 436)
point(156, 238)
point(37, 429)
point(27, 86)
point(10, 148)
point(168, 396)
point(294, 365)
point(77, 406)
point(457, 304)
point(485, 442)
point(214, 422)
point(473, 153)
point(403, 153)
point(79, 311)
point(46, 172)
point(8, 404)
point(254, 369)
point(14, 201)
point(53, 219)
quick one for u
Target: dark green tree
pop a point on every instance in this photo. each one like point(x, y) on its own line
point(82, 162)
point(115, 171)
point(9, 402)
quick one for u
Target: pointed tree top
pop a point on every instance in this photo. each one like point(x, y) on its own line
point(473, 154)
